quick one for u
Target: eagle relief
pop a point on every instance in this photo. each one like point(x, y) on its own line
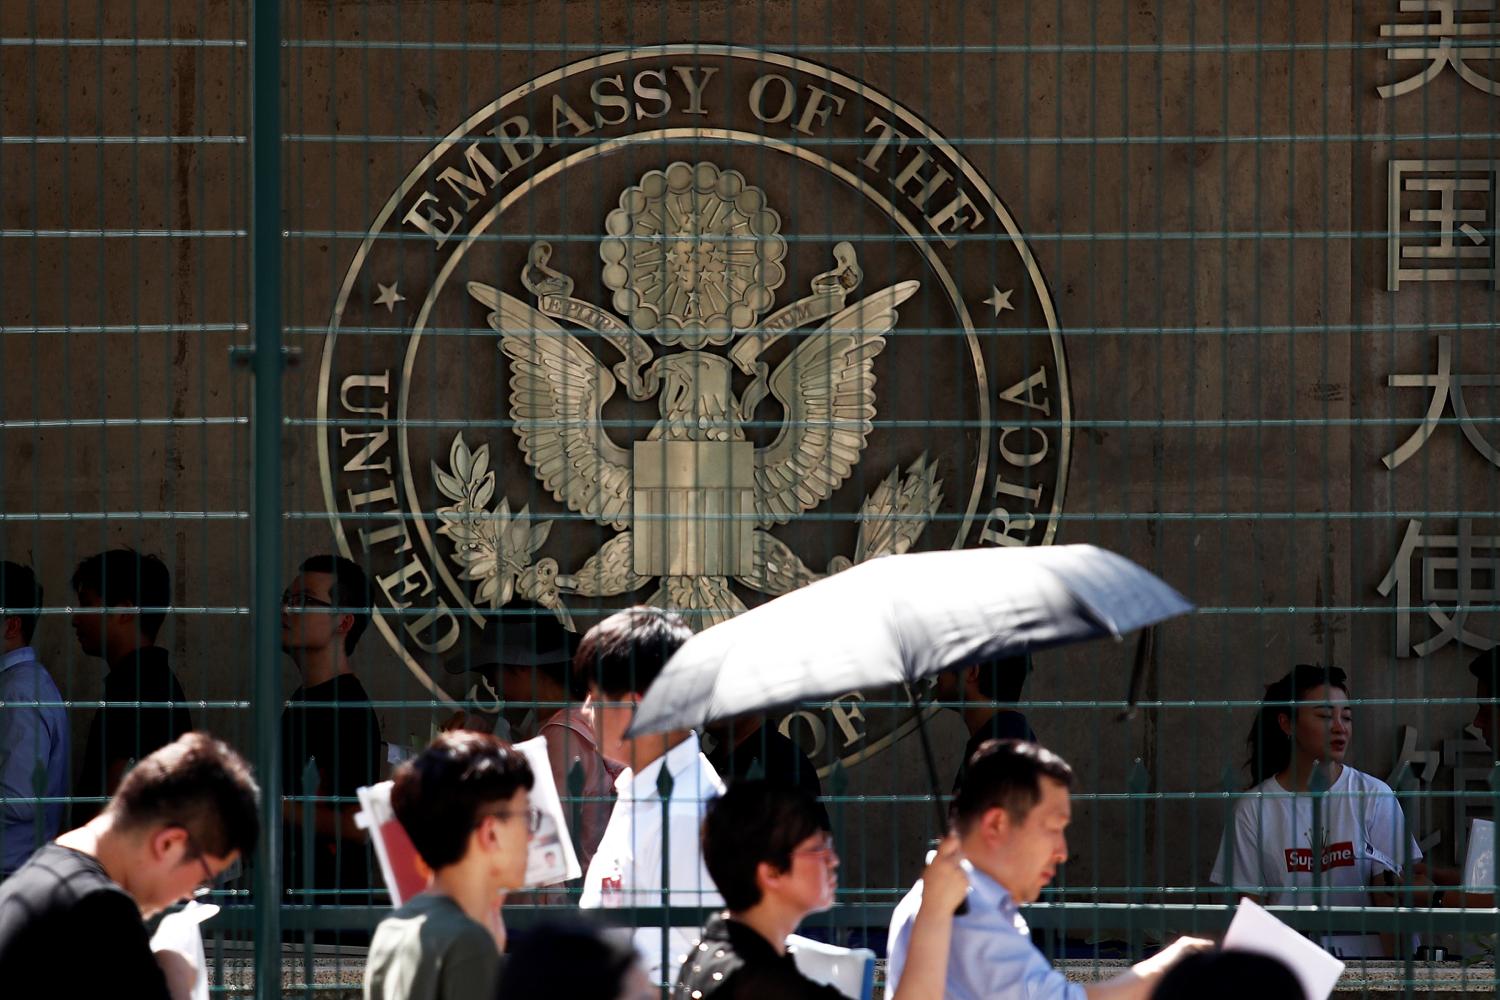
point(687, 326)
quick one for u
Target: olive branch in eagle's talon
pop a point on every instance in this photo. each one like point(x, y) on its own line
point(493, 548)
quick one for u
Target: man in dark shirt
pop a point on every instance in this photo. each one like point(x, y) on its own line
point(985, 695)
point(71, 917)
point(329, 732)
point(122, 597)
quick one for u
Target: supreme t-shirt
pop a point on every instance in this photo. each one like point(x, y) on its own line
point(1268, 849)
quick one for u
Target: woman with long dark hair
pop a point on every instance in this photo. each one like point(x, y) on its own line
point(1271, 852)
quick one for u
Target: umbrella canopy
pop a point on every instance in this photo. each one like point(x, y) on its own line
point(899, 619)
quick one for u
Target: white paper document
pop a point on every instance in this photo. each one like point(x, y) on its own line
point(179, 932)
point(551, 859)
point(1256, 930)
point(1479, 862)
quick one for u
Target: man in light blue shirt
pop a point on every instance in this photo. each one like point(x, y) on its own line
point(34, 739)
point(1012, 813)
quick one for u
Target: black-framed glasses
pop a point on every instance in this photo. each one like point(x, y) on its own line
point(301, 602)
point(211, 878)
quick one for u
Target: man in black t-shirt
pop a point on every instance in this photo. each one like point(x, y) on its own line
point(986, 696)
point(71, 917)
point(121, 600)
point(329, 732)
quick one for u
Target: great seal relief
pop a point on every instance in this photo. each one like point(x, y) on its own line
point(690, 326)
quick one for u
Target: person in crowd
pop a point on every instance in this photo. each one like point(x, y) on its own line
point(769, 850)
point(329, 725)
point(1270, 850)
point(71, 918)
point(985, 695)
point(750, 746)
point(121, 599)
point(1011, 815)
point(574, 961)
point(621, 656)
point(1438, 886)
point(465, 803)
point(526, 663)
point(34, 738)
point(1229, 975)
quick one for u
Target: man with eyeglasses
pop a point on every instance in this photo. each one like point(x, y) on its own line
point(330, 730)
point(71, 918)
point(465, 802)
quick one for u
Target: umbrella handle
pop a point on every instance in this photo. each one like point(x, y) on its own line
point(932, 777)
point(1145, 647)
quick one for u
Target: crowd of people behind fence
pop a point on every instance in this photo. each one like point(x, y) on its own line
point(161, 811)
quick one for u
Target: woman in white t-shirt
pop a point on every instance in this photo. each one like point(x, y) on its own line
point(1270, 852)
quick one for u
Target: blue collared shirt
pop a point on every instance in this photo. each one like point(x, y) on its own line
point(31, 737)
point(991, 957)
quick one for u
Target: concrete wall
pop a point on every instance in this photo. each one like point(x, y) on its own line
point(1203, 187)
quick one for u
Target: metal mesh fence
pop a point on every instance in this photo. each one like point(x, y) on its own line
point(532, 311)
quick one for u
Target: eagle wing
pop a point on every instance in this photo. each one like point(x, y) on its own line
point(827, 387)
point(557, 392)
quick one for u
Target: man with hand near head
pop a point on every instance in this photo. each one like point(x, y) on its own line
point(71, 917)
point(620, 657)
point(1011, 814)
point(465, 802)
point(122, 596)
point(34, 739)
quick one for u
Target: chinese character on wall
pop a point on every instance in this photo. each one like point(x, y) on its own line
point(1442, 222)
point(1457, 572)
point(1456, 33)
point(1447, 390)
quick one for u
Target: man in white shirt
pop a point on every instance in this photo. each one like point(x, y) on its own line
point(649, 855)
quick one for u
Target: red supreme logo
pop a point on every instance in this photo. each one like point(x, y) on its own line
point(1340, 855)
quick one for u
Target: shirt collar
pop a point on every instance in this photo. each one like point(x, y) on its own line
point(988, 894)
point(642, 784)
point(24, 654)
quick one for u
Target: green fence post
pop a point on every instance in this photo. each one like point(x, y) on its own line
point(266, 419)
point(1317, 785)
point(308, 833)
point(664, 785)
point(1139, 783)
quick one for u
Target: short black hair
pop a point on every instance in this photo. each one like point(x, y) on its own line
point(755, 821)
point(351, 593)
point(1229, 975)
point(20, 596)
point(1001, 680)
point(439, 793)
point(125, 578)
point(200, 784)
point(624, 653)
point(569, 960)
point(1006, 774)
